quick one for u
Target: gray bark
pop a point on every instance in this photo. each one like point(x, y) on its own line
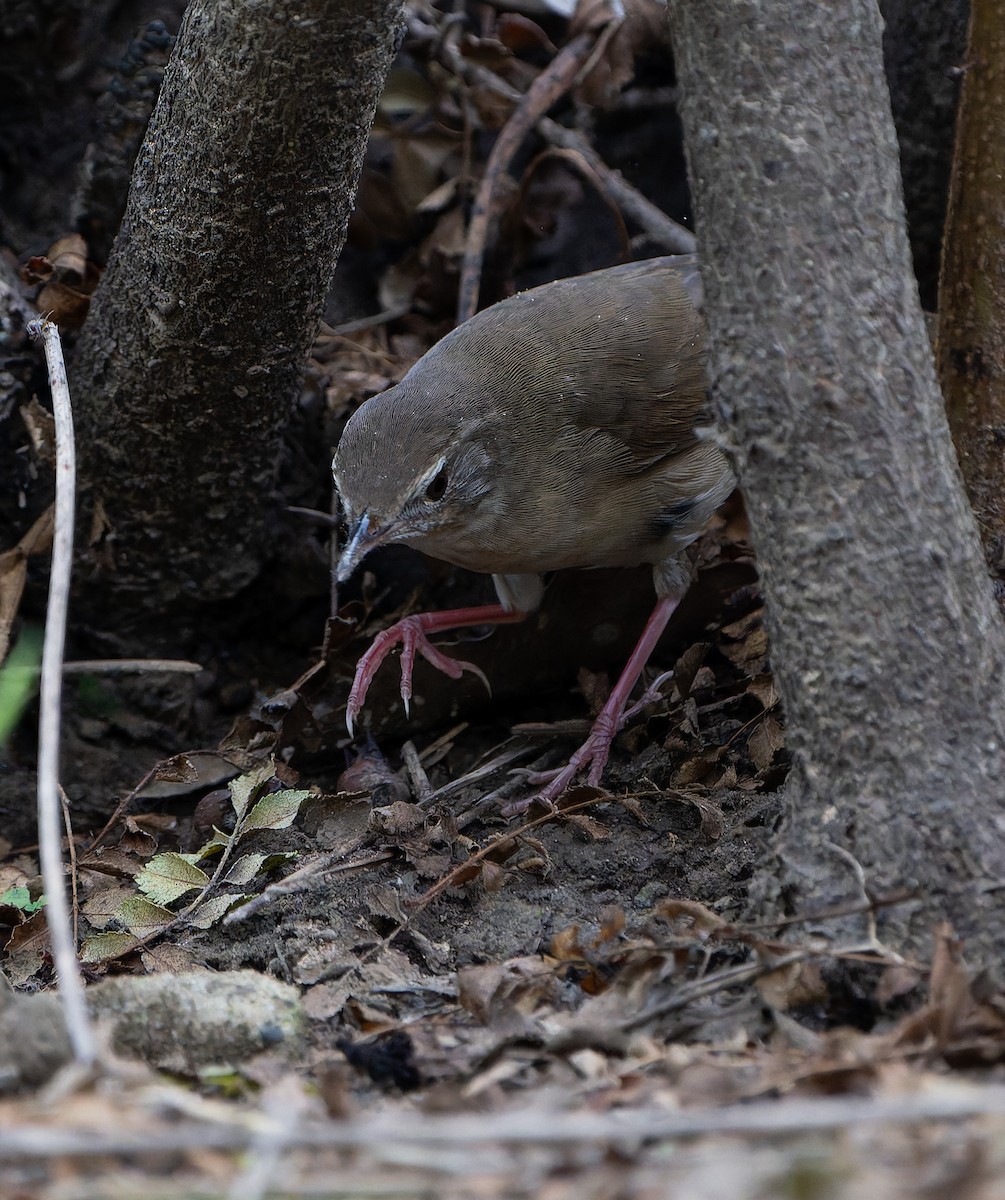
point(888, 650)
point(237, 212)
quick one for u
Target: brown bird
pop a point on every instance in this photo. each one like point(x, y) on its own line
point(556, 429)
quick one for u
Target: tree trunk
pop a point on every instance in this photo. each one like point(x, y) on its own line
point(887, 646)
point(236, 215)
point(971, 344)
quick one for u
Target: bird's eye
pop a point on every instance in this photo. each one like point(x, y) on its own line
point(437, 486)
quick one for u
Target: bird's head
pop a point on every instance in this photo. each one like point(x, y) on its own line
point(407, 470)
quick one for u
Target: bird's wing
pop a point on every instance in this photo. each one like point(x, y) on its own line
point(652, 342)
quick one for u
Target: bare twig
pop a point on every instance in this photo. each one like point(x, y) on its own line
point(71, 850)
point(652, 220)
point(435, 750)
point(326, 519)
point(688, 993)
point(132, 666)
point(71, 985)
point(371, 322)
point(504, 759)
point(123, 807)
point(553, 81)
point(578, 163)
point(284, 1106)
point(300, 880)
point(422, 789)
point(526, 1125)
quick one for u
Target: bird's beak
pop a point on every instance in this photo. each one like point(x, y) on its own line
point(361, 541)
point(365, 535)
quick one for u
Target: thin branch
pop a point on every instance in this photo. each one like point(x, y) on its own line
point(372, 322)
point(132, 666)
point(652, 220)
point(422, 789)
point(551, 84)
point(300, 880)
point(688, 993)
point(334, 552)
point(578, 163)
point(71, 850)
point(383, 1132)
point(285, 1108)
point(50, 832)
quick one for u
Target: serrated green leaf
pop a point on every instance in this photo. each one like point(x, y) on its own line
point(278, 810)
point(143, 918)
point(106, 945)
point(250, 865)
point(217, 843)
point(245, 869)
point(245, 786)
point(213, 910)
point(168, 876)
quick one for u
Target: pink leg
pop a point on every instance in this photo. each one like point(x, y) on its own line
point(597, 747)
point(412, 632)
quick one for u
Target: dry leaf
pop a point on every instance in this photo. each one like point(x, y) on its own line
point(794, 986)
point(14, 573)
point(506, 992)
point(701, 919)
point(765, 742)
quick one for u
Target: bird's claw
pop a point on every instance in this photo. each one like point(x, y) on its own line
point(652, 693)
point(411, 634)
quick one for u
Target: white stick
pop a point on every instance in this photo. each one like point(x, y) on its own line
point(50, 825)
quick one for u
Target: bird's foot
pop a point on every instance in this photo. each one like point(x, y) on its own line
point(595, 751)
point(412, 633)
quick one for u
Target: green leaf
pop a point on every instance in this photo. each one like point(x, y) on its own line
point(245, 786)
point(106, 945)
point(142, 918)
point(250, 865)
point(19, 679)
point(213, 910)
point(216, 844)
point(245, 869)
point(226, 1082)
point(278, 810)
point(169, 876)
point(20, 898)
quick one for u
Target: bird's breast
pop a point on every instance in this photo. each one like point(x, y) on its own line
point(541, 532)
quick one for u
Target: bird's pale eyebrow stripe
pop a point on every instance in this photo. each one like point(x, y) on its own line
point(427, 477)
